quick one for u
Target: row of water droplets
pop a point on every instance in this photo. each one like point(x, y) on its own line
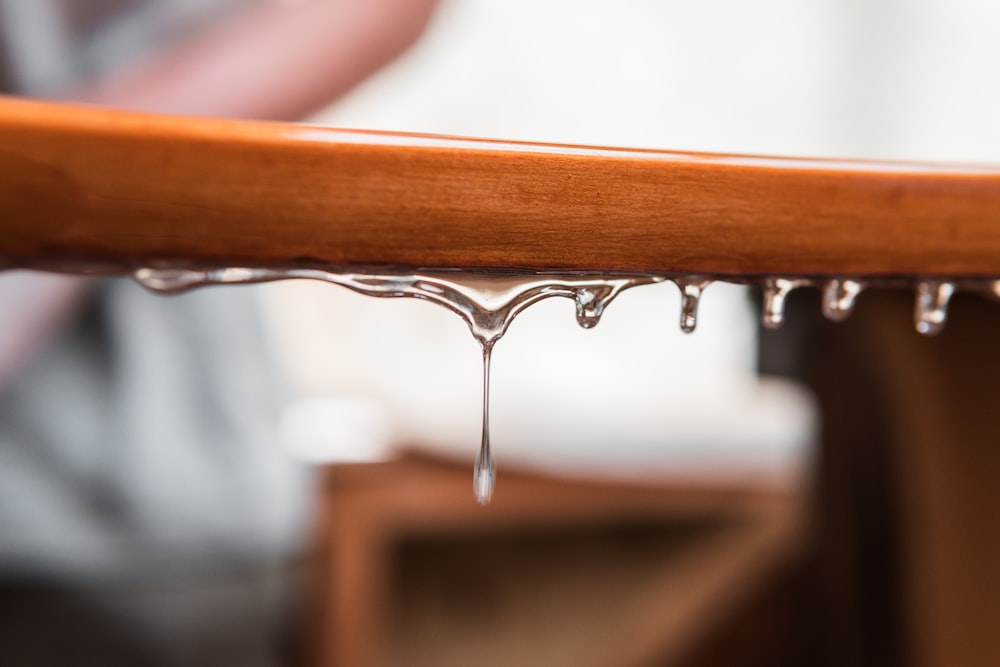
point(930, 309)
point(488, 303)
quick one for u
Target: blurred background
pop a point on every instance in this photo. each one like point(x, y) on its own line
point(635, 402)
point(716, 498)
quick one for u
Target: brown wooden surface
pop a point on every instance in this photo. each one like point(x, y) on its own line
point(942, 396)
point(662, 608)
point(905, 524)
point(80, 184)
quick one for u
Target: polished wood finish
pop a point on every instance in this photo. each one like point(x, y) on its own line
point(87, 185)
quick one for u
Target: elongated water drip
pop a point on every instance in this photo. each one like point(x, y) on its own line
point(775, 291)
point(930, 312)
point(839, 296)
point(484, 474)
point(691, 289)
point(487, 302)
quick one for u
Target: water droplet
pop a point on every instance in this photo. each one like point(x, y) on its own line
point(484, 474)
point(839, 296)
point(589, 307)
point(775, 292)
point(592, 299)
point(930, 312)
point(691, 289)
point(170, 281)
point(173, 281)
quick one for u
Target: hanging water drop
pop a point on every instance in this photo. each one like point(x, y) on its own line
point(839, 296)
point(930, 312)
point(590, 302)
point(484, 474)
point(775, 292)
point(691, 290)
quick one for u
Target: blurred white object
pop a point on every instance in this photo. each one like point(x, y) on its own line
point(337, 430)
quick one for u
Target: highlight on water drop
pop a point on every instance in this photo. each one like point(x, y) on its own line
point(691, 290)
point(776, 290)
point(930, 311)
point(839, 297)
point(484, 473)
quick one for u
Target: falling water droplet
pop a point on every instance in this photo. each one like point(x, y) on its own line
point(839, 296)
point(930, 312)
point(691, 290)
point(775, 292)
point(484, 475)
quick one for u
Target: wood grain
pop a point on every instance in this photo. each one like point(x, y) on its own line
point(94, 186)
